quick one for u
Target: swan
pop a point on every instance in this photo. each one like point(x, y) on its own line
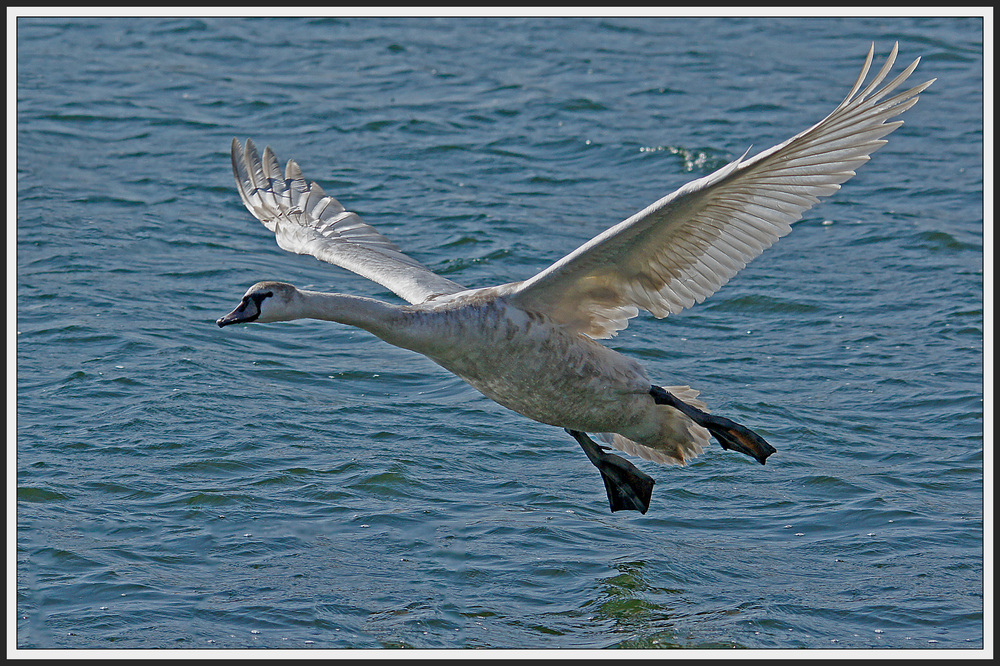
point(532, 346)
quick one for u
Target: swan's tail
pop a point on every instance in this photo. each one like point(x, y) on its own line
point(729, 434)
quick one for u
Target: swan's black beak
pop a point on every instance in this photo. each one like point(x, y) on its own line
point(241, 315)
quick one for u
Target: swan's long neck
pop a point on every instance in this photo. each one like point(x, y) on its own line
point(383, 319)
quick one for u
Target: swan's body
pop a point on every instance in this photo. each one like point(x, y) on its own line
point(530, 346)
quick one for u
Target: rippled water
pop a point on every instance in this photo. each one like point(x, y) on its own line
point(303, 485)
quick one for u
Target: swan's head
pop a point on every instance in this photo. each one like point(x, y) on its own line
point(265, 302)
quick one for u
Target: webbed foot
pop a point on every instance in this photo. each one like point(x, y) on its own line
point(628, 488)
point(729, 434)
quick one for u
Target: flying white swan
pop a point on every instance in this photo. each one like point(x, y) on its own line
point(530, 345)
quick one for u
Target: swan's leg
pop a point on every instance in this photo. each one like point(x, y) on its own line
point(730, 435)
point(627, 487)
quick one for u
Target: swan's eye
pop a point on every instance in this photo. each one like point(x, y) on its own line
point(258, 298)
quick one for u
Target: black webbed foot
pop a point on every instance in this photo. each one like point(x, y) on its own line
point(729, 434)
point(628, 488)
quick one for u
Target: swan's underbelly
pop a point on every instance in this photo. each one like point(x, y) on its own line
point(536, 368)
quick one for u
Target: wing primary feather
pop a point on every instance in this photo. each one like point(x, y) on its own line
point(864, 75)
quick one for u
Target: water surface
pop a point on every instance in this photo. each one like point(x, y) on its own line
point(303, 485)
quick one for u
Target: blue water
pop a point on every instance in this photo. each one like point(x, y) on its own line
point(304, 485)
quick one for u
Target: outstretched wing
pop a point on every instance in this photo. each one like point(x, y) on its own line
point(306, 221)
point(684, 247)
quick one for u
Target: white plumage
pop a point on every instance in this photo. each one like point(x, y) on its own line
point(531, 345)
